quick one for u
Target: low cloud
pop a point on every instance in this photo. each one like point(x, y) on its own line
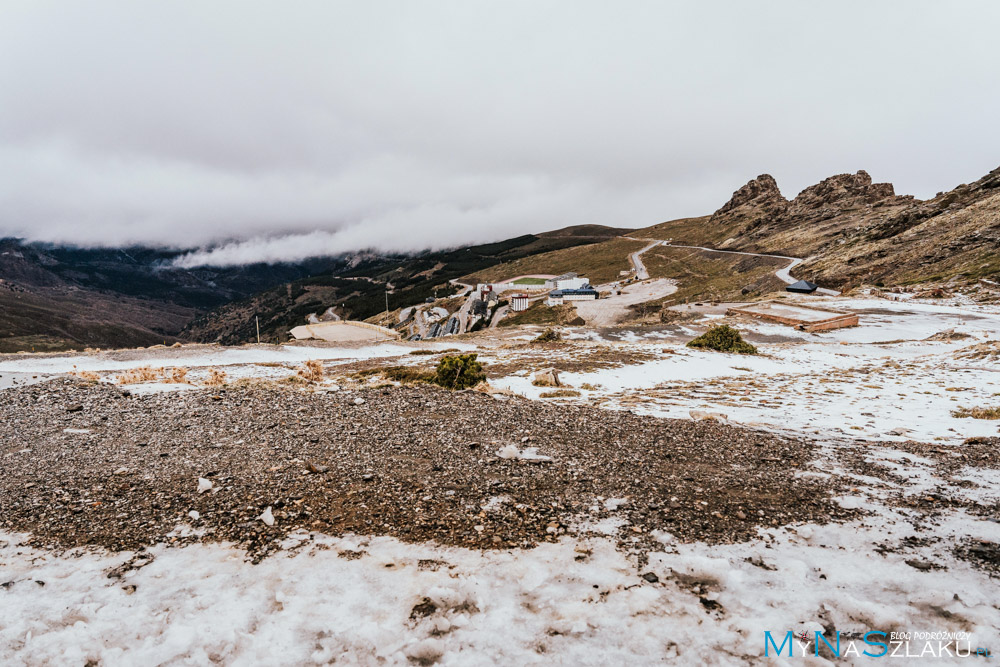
point(271, 134)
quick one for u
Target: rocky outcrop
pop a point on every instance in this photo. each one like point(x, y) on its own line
point(759, 218)
point(548, 377)
point(844, 191)
point(761, 192)
point(758, 204)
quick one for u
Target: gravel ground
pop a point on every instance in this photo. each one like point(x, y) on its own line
point(90, 464)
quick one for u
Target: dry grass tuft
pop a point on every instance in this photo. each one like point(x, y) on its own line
point(311, 371)
point(401, 374)
point(216, 378)
point(140, 374)
point(559, 393)
point(89, 376)
point(177, 375)
point(977, 413)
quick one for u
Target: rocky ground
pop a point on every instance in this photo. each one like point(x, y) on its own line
point(91, 464)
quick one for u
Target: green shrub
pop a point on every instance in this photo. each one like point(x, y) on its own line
point(723, 338)
point(460, 371)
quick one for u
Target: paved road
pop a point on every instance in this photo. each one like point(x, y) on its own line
point(784, 275)
point(463, 314)
point(421, 323)
point(467, 286)
point(498, 315)
point(636, 257)
point(609, 311)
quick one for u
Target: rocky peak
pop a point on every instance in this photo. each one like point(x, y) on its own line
point(761, 191)
point(844, 191)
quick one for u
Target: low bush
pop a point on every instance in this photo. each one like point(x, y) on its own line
point(723, 338)
point(407, 374)
point(459, 371)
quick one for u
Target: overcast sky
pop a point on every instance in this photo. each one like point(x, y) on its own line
point(285, 129)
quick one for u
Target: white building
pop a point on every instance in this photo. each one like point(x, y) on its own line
point(561, 296)
point(495, 287)
point(519, 302)
point(567, 281)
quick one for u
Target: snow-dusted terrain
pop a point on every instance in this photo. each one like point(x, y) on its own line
point(583, 600)
point(880, 380)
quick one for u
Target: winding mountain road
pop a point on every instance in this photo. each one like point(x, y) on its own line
point(784, 275)
point(636, 258)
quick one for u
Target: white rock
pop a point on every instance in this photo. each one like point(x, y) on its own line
point(614, 503)
point(509, 452)
point(204, 485)
point(194, 515)
point(267, 517)
point(359, 401)
point(708, 416)
point(526, 454)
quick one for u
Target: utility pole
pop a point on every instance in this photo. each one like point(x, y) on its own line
point(257, 319)
point(387, 322)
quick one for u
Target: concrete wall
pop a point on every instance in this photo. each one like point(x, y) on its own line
point(837, 321)
point(572, 283)
point(344, 332)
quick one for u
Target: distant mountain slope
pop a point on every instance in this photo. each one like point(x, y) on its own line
point(57, 297)
point(359, 292)
point(51, 319)
point(850, 230)
point(854, 231)
point(601, 262)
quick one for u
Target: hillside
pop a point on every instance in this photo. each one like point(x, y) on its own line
point(601, 262)
point(853, 231)
point(359, 292)
point(54, 298)
point(850, 230)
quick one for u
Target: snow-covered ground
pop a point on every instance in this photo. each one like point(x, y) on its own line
point(264, 362)
point(584, 600)
point(880, 380)
point(357, 600)
point(200, 356)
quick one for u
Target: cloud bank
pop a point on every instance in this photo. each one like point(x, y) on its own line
point(270, 132)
